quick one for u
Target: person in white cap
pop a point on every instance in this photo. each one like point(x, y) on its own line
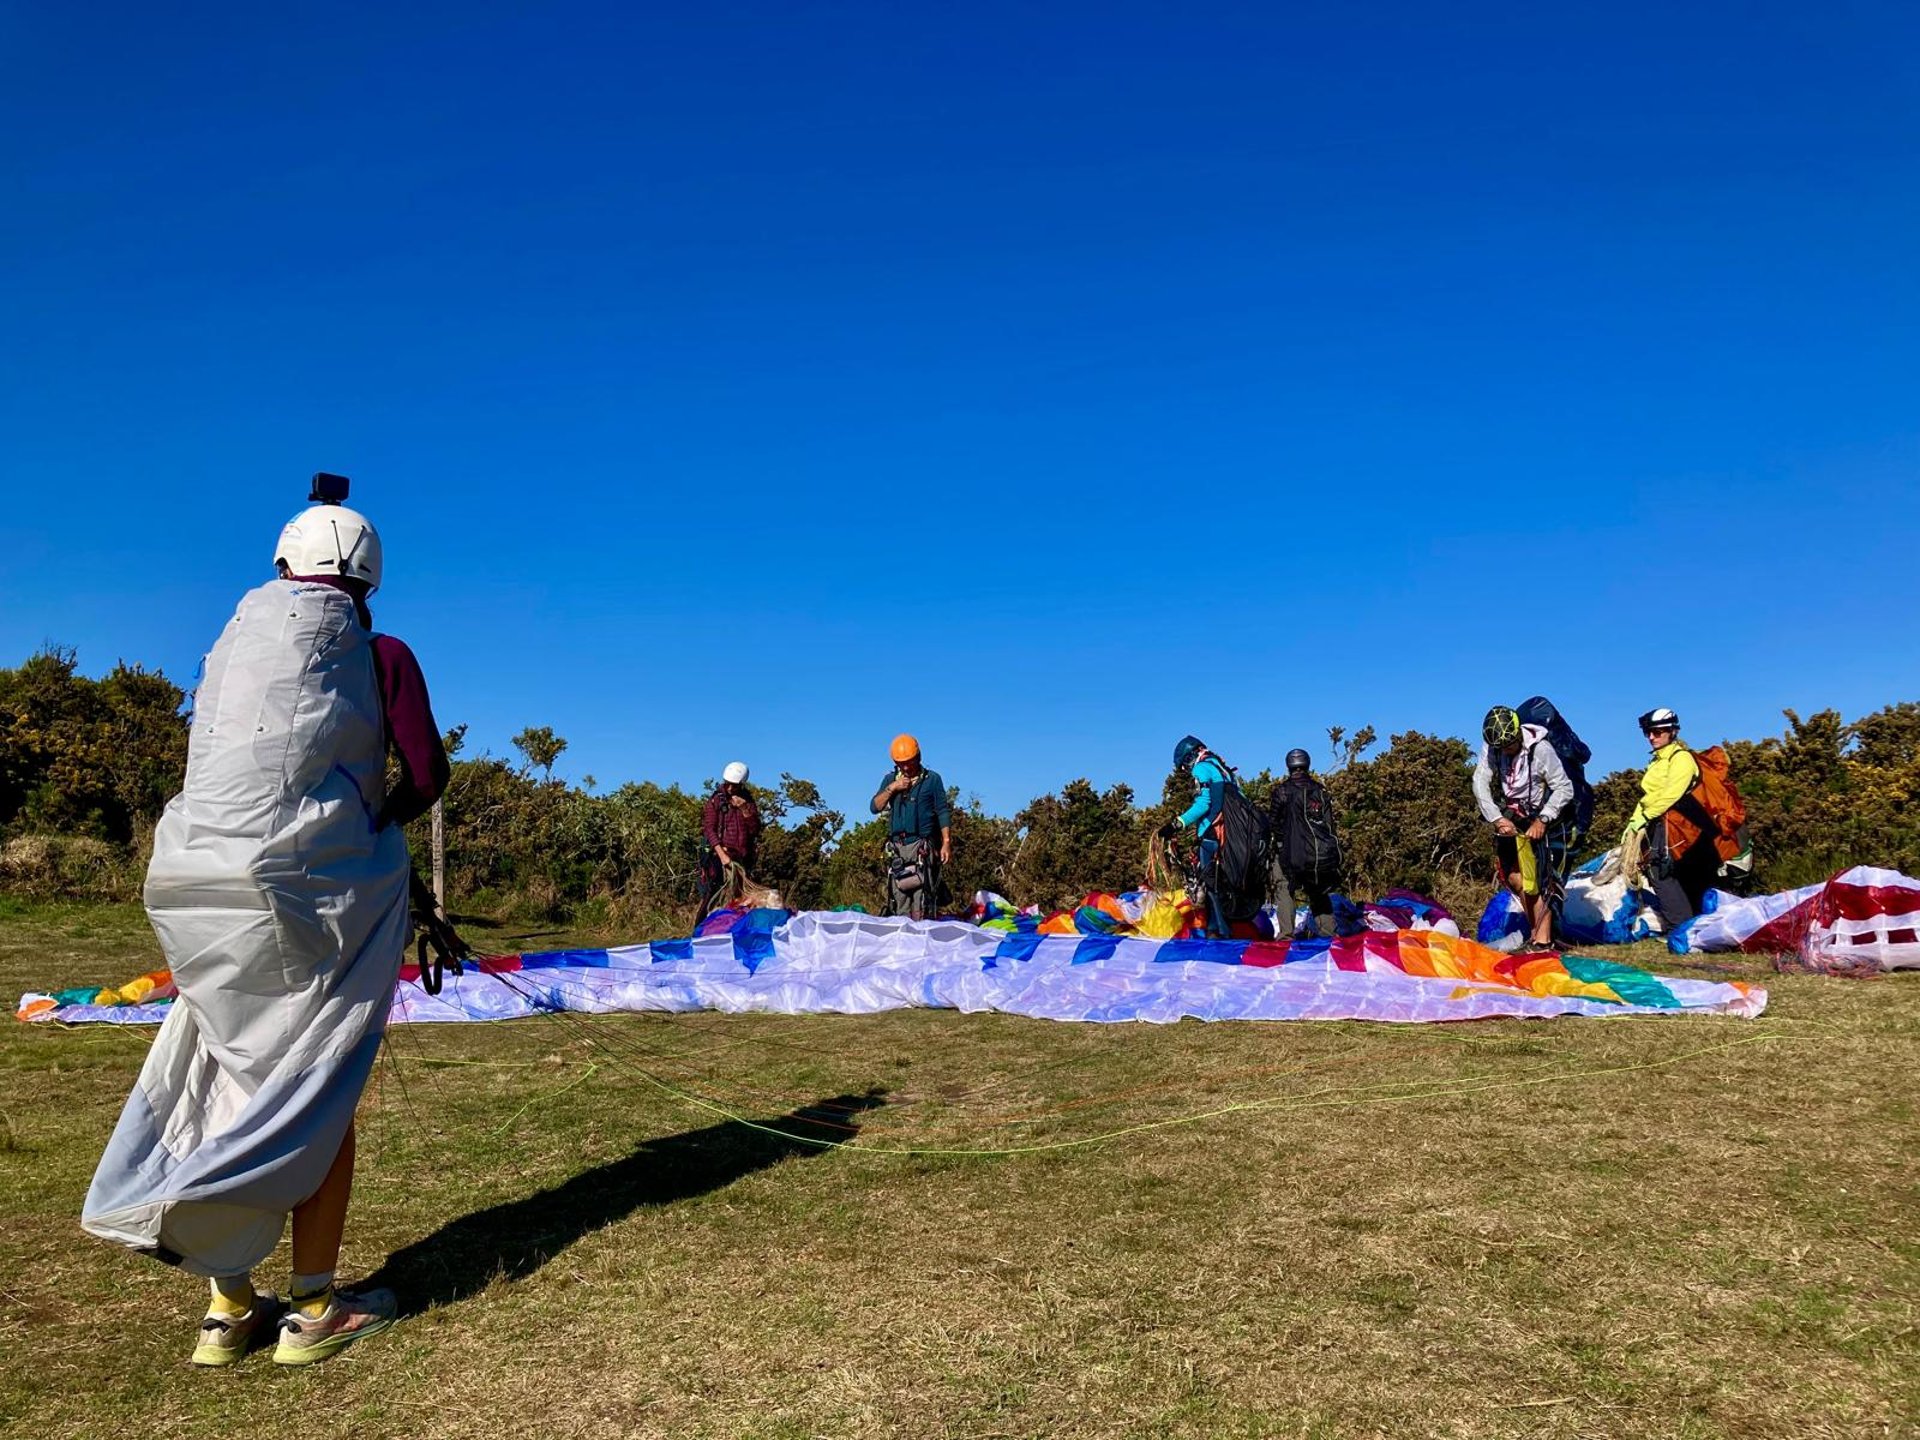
point(278, 891)
point(730, 825)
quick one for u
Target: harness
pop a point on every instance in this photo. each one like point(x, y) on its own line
point(439, 945)
point(1299, 802)
point(1519, 817)
point(1711, 810)
point(909, 854)
point(912, 794)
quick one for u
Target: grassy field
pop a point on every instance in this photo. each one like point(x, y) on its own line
point(1678, 1227)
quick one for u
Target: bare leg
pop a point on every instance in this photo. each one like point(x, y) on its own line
point(321, 1219)
point(1540, 917)
point(1518, 889)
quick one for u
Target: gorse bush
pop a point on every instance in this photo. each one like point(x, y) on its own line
point(1827, 794)
point(1408, 820)
point(86, 766)
point(1076, 842)
point(88, 757)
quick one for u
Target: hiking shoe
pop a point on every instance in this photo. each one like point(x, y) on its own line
point(225, 1339)
point(351, 1315)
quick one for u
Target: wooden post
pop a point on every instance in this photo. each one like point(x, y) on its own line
point(440, 859)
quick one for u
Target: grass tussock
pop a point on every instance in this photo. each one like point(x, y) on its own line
point(70, 867)
point(629, 1225)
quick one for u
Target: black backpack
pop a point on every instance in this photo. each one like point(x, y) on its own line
point(1240, 869)
point(1310, 849)
point(1571, 749)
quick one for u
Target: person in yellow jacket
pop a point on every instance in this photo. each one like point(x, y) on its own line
point(1680, 881)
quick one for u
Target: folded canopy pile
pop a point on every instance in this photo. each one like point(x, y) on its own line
point(1863, 919)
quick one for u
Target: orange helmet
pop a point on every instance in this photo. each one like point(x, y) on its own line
point(903, 749)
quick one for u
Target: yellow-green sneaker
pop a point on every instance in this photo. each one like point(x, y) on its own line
point(351, 1315)
point(225, 1339)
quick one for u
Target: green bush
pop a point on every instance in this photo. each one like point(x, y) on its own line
point(87, 765)
point(1077, 842)
point(80, 756)
point(1408, 821)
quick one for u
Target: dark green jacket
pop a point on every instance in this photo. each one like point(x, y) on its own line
point(923, 811)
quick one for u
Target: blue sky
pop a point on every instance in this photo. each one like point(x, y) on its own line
point(1047, 380)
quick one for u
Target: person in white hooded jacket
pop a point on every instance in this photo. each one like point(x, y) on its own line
point(1525, 793)
point(278, 890)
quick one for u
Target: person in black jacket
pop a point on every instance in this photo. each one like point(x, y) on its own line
point(1306, 849)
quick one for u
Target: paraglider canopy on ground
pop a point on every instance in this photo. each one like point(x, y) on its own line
point(852, 963)
point(1863, 920)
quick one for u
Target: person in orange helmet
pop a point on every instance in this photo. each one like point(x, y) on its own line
point(919, 831)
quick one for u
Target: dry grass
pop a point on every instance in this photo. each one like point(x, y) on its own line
point(74, 867)
point(1682, 1227)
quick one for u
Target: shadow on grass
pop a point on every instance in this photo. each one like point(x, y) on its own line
point(516, 1238)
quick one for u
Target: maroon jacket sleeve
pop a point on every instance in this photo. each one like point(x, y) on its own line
point(710, 820)
point(411, 731)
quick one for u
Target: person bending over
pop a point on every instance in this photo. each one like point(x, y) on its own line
point(1525, 793)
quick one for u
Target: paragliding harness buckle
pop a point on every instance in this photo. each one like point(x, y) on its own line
point(1521, 820)
point(439, 946)
point(908, 863)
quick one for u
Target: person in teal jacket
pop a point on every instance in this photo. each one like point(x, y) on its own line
point(1210, 798)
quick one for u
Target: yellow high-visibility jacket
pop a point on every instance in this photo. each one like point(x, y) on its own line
point(1670, 775)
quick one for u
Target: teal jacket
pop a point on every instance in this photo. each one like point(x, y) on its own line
point(924, 811)
point(1211, 776)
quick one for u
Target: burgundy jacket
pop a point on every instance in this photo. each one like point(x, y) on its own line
point(735, 830)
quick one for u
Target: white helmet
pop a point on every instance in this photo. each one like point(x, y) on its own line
point(331, 540)
point(735, 773)
point(1660, 719)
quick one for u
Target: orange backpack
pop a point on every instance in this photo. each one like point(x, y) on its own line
point(1712, 806)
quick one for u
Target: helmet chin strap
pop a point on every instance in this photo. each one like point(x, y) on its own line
point(346, 556)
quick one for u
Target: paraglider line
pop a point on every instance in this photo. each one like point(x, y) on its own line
point(1355, 1096)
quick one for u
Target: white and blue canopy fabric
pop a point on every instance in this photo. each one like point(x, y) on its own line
point(281, 906)
point(846, 962)
point(851, 963)
point(1600, 908)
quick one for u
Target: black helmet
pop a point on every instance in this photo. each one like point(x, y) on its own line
point(1660, 719)
point(1298, 762)
point(1184, 752)
point(1501, 727)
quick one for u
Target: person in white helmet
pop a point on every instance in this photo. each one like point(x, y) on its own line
point(730, 824)
point(1682, 873)
point(278, 891)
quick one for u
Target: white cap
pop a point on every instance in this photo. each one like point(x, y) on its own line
point(331, 540)
point(735, 773)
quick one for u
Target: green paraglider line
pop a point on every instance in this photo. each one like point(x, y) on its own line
point(1280, 1105)
point(1360, 1095)
point(1324, 1099)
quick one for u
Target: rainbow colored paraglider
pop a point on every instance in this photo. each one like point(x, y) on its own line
point(846, 962)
